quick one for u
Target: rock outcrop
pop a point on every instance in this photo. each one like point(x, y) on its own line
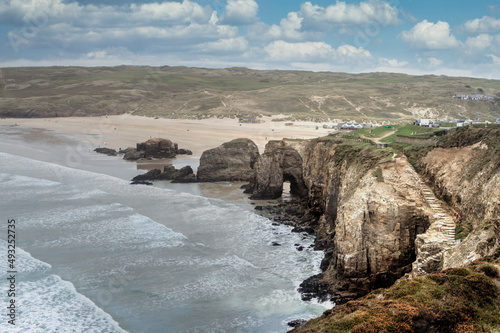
point(154, 148)
point(232, 160)
point(278, 164)
point(183, 175)
point(106, 151)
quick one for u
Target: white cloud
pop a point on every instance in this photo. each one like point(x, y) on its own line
point(393, 63)
point(429, 62)
point(343, 14)
point(316, 52)
point(240, 12)
point(311, 19)
point(288, 29)
point(478, 43)
point(223, 46)
point(485, 24)
point(432, 36)
point(494, 59)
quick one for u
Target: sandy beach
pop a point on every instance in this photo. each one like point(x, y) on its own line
point(197, 135)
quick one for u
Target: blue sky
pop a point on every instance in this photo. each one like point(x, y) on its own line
point(456, 38)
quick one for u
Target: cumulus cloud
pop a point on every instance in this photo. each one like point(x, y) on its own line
point(478, 43)
point(70, 27)
point(311, 19)
point(229, 45)
point(429, 62)
point(290, 28)
point(316, 52)
point(485, 24)
point(432, 36)
point(393, 63)
point(343, 14)
point(240, 12)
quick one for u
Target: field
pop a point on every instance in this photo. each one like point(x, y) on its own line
point(197, 93)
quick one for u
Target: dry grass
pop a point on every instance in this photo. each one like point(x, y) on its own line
point(180, 92)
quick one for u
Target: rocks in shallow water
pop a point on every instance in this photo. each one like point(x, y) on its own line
point(154, 148)
point(183, 175)
point(140, 182)
point(276, 244)
point(106, 151)
point(158, 148)
point(182, 151)
point(132, 154)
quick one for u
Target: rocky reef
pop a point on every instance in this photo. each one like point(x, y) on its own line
point(183, 175)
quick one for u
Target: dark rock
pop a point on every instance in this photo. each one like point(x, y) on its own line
point(141, 183)
point(184, 152)
point(300, 248)
point(183, 175)
point(259, 208)
point(157, 148)
point(276, 244)
point(133, 155)
point(296, 323)
point(150, 175)
point(231, 161)
point(106, 151)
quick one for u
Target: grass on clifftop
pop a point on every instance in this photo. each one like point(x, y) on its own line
point(454, 300)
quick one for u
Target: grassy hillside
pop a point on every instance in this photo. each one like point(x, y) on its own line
point(454, 300)
point(181, 92)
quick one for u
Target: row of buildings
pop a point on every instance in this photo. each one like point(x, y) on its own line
point(474, 97)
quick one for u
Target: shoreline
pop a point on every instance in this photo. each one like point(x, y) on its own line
point(196, 135)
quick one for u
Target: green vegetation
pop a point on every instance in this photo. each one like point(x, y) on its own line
point(454, 300)
point(181, 92)
point(408, 130)
point(463, 230)
point(378, 175)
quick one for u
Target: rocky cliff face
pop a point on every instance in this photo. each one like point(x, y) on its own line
point(370, 212)
point(465, 173)
point(232, 160)
point(364, 204)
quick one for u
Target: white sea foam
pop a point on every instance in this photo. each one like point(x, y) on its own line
point(219, 255)
point(53, 305)
point(46, 303)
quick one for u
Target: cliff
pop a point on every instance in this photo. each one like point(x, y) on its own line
point(364, 204)
point(376, 218)
point(464, 171)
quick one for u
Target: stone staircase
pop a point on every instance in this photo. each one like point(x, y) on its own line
point(439, 238)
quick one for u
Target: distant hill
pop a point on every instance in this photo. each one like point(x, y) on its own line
point(181, 92)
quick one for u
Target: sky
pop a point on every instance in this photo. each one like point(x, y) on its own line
point(441, 37)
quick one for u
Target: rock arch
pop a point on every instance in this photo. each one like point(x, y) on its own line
point(277, 165)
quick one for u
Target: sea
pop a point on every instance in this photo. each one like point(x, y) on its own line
point(96, 254)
